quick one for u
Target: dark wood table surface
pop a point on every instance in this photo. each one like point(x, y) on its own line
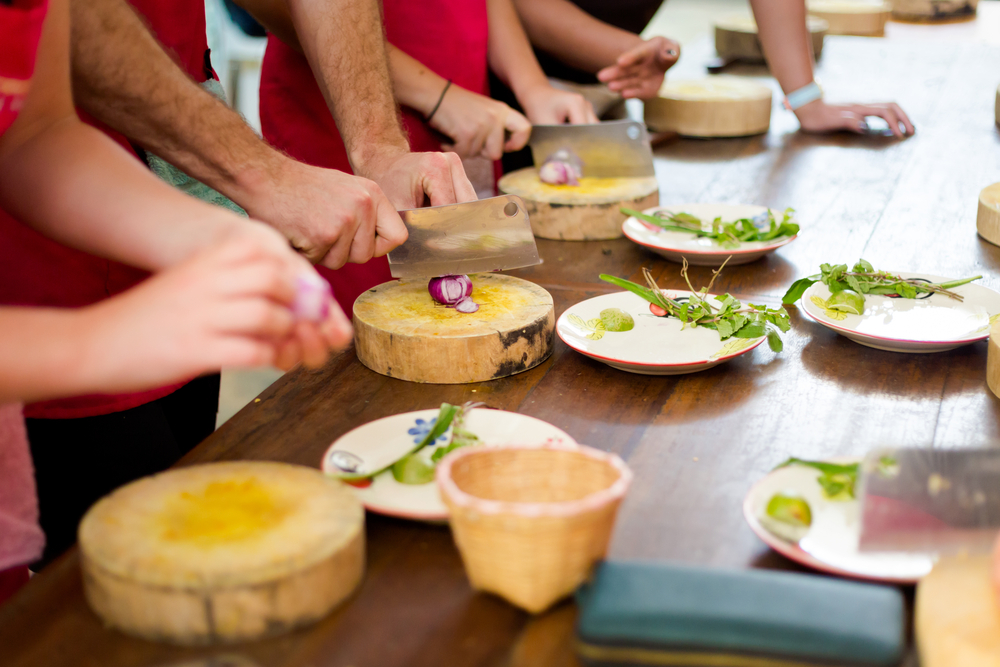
point(695, 442)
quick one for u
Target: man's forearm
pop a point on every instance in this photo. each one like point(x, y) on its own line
point(123, 78)
point(567, 32)
point(346, 49)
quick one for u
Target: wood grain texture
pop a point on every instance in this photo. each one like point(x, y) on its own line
point(400, 331)
point(933, 10)
point(736, 37)
point(988, 215)
point(852, 17)
point(588, 213)
point(695, 443)
point(712, 107)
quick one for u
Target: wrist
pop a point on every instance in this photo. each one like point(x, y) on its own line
point(369, 160)
point(255, 187)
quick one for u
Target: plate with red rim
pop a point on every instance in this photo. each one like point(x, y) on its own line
point(379, 443)
point(676, 246)
point(655, 346)
point(831, 543)
point(928, 324)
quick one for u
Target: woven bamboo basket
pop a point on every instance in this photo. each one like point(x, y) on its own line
point(531, 521)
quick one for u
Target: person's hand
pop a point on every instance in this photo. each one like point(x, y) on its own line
point(545, 105)
point(410, 180)
point(639, 71)
point(330, 217)
point(230, 306)
point(476, 124)
point(818, 117)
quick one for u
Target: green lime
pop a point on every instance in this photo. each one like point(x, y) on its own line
point(846, 301)
point(616, 319)
point(413, 469)
point(789, 508)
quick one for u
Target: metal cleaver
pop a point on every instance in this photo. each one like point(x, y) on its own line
point(475, 237)
point(930, 501)
point(612, 149)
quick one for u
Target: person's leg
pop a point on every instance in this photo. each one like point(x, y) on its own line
point(78, 461)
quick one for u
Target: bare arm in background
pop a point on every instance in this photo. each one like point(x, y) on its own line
point(784, 36)
point(514, 63)
point(345, 45)
point(123, 77)
point(629, 64)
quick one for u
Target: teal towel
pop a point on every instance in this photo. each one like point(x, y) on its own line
point(645, 613)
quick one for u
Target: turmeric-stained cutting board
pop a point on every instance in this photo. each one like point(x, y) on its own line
point(584, 212)
point(957, 617)
point(400, 331)
point(222, 552)
point(718, 106)
point(736, 37)
point(865, 18)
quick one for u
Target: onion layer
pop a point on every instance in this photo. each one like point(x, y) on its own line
point(561, 168)
point(312, 298)
point(453, 291)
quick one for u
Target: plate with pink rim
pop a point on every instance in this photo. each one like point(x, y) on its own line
point(930, 323)
point(831, 542)
point(378, 444)
point(655, 345)
point(676, 246)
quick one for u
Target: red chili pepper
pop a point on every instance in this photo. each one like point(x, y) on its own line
point(656, 310)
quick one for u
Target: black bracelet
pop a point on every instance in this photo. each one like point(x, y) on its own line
point(438, 105)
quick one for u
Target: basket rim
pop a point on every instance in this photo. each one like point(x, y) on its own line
point(592, 501)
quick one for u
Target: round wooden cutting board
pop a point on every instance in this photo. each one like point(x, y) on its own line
point(988, 217)
point(222, 552)
point(400, 331)
point(933, 10)
point(718, 106)
point(585, 212)
point(736, 37)
point(865, 18)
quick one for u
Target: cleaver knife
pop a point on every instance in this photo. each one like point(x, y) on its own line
point(930, 501)
point(475, 237)
point(612, 149)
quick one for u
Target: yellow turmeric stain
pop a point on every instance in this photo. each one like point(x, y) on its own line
point(527, 184)
point(223, 512)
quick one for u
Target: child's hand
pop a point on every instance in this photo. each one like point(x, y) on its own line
point(545, 105)
point(476, 124)
point(819, 117)
point(639, 72)
point(228, 306)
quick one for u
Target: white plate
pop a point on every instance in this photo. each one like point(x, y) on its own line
point(831, 545)
point(383, 441)
point(656, 346)
point(701, 251)
point(932, 324)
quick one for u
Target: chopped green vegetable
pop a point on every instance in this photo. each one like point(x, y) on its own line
point(413, 469)
point(726, 234)
point(864, 279)
point(616, 319)
point(789, 508)
point(837, 479)
point(728, 315)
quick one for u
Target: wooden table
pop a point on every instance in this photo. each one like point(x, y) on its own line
point(696, 442)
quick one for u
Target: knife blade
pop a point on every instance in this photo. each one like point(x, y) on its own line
point(612, 149)
point(930, 501)
point(474, 237)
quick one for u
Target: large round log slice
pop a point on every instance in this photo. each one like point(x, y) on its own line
point(736, 37)
point(222, 552)
point(853, 17)
point(585, 212)
point(933, 10)
point(718, 106)
point(400, 331)
point(988, 217)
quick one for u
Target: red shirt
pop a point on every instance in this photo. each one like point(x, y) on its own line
point(36, 271)
point(448, 36)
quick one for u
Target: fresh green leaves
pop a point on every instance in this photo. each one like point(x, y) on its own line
point(864, 279)
point(726, 234)
point(725, 313)
point(837, 480)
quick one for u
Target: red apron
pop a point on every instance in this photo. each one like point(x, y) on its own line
point(448, 36)
point(36, 271)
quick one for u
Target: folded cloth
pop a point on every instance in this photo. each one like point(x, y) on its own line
point(177, 178)
point(644, 613)
point(21, 538)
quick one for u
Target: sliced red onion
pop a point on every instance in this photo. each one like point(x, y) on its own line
point(312, 298)
point(449, 290)
point(466, 305)
point(561, 168)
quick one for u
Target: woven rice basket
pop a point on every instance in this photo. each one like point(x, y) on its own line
point(531, 521)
